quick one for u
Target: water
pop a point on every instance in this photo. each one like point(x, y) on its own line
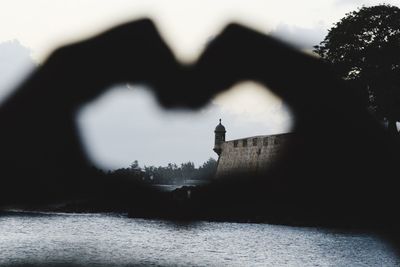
point(107, 239)
point(166, 187)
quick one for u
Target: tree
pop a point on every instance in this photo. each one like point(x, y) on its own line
point(208, 169)
point(134, 165)
point(188, 170)
point(364, 49)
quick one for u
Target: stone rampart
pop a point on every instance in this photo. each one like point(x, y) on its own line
point(252, 154)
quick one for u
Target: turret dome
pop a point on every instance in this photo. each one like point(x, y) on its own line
point(220, 128)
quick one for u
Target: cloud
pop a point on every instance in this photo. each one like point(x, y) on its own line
point(126, 124)
point(359, 3)
point(302, 38)
point(351, 2)
point(15, 64)
point(356, 3)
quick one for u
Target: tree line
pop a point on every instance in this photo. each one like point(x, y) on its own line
point(168, 175)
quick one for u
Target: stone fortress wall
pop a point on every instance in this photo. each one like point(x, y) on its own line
point(252, 154)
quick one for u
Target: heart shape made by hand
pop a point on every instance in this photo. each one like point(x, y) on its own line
point(340, 158)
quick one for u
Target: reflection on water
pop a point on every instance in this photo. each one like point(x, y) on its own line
point(104, 239)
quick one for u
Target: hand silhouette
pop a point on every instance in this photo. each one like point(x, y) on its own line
point(339, 167)
point(41, 155)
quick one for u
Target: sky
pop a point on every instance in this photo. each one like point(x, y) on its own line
point(126, 124)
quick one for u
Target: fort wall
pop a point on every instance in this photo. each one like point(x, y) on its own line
point(252, 154)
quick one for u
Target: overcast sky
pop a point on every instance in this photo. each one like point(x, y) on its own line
point(126, 124)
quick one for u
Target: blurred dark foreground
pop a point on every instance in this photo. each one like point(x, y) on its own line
point(341, 170)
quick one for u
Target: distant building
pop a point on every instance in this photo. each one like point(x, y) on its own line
point(250, 154)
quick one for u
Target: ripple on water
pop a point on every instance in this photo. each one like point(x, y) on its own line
point(112, 239)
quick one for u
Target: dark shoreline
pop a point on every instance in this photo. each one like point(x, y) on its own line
point(176, 206)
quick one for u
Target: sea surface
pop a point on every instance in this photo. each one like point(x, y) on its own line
point(115, 240)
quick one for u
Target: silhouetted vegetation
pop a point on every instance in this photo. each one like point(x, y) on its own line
point(364, 49)
point(167, 175)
